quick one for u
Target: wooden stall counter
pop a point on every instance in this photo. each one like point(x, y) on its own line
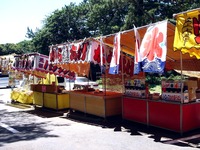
point(52, 99)
point(55, 101)
point(102, 104)
point(38, 98)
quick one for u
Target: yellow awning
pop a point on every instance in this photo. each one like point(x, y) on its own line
point(187, 35)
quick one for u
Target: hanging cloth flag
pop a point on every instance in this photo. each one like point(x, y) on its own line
point(187, 33)
point(53, 54)
point(153, 48)
point(65, 53)
point(114, 64)
point(93, 45)
point(137, 59)
point(102, 56)
point(75, 52)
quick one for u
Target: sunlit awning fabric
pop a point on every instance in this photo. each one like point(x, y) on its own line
point(187, 33)
point(173, 58)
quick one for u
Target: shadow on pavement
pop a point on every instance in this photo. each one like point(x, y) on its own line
point(31, 130)
point(188, 139)
point(45, 113)
point(191, 138)
point(20, 126)
point(109, 122)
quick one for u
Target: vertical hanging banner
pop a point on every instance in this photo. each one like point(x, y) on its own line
point(187, 33)
point(84, 51)
point(153, 48)
point(65, 53)
point(114, 65)
point(59, 54)
point(53, 54)
point(41, 63)
point(75, 52)
point(93, 45)
point(102, 56)
point(137, 58)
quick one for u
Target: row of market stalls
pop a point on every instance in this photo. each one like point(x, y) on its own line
point(119, 62)
point(5, 63)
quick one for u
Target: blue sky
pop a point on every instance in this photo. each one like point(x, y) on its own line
point(17, 15)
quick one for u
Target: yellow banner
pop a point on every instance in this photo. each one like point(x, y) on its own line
point(187, 33)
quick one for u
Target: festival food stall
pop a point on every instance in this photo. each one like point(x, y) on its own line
point(38, 87)
point(82, 58)
point(176, 108)
point(6, 63)
point(46, 92)
point(98, 104)
point(6, 68)
point(22, 69)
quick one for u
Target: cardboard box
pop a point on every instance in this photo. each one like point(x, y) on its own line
point(136, 93)
point(49, 88)
point(38, 88)
point(32, 87)
point(192, 87)
point(177, 97)
point(198, 93)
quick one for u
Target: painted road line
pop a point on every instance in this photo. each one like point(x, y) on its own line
point(8, 128)
point(183, 139)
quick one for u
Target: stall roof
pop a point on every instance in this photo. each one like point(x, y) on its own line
point(173, 57)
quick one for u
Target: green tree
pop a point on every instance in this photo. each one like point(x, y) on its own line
point(19, 48)
point(102, 17)
point(30, 33)
point(24, 47)
point(67, 24)
point(106, 17)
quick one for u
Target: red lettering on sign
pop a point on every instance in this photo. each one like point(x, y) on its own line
point(196, 26)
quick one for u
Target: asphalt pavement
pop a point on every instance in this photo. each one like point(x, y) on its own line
point(32, 128)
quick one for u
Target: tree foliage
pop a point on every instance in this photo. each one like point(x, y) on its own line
point(95, 18)
point(63, 25)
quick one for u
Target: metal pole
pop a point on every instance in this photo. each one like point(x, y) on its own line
point(182, 100)
point(123, 88)
point(181, 63)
